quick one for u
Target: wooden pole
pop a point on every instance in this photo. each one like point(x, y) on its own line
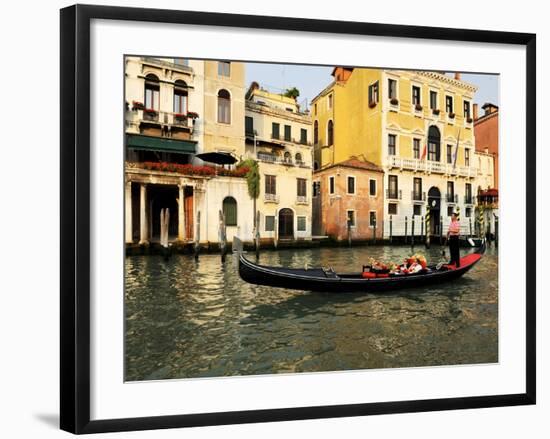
point(222, 236)
point(406, 230)
point(197, 235)
point(391, 227)
point(427, 221)
point(257, 237)
point(412, 231)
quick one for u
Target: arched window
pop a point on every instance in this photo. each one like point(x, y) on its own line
point(315, 133)
point(180, 97)
point(330, 133)
point(152, 92)
point(224, 106)
point(434, 144)
point(230, 211)
point(287, 158)
point(298, 158)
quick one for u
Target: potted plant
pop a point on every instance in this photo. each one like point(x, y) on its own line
point(436, 111)
point(192, 115)
point(180, 117)
point(394, 101)
point(469, 120)
point(150, 111)
point(137, 105)
point(418, 107)
point(451, 115)
point(372, 104)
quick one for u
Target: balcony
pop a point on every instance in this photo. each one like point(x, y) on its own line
point(302, 199)
point(393, 194)
point(138, 115)
point(428, 166)
point(287, 161)
point(451, 198)
point(418, 197)
point(271, 198)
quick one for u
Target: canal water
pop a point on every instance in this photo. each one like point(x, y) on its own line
point(199, 319)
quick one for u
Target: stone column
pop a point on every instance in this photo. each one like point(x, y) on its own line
point(128, 213)
point(181, 214)
point(143, 221)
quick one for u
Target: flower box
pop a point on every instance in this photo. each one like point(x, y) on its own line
point(418, 107)
point(394, 101)
point(436, 111)
point(451, 115)
point(137, 105)
point(192, 115)
point(150, 111)
point(372, 104)
point(469, 120)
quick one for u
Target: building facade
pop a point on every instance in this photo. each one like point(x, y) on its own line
point(348, 200)
point(176, 109)
point(416, 126)
point(278, 137)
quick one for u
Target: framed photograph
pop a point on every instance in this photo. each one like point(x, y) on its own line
point(274, 218)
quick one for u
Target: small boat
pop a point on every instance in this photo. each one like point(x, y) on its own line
point(326, 280)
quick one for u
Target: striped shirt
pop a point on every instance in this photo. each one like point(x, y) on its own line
point(454, 227)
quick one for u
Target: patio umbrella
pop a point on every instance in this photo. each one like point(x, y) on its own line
point(219, 158)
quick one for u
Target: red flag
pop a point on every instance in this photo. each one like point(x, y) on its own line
point(424, 152)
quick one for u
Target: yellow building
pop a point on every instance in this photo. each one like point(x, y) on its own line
point(411, 124)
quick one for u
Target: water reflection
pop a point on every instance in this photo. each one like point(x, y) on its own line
point(194, 319)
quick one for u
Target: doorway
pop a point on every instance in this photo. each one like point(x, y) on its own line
point(286, 224)
point(434, 201)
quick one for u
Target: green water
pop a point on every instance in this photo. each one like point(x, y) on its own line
point(199, 319)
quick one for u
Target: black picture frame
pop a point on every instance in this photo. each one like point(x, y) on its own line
point(75, 217)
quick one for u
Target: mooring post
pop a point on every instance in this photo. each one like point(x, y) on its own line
point(257, 234)
point(374, 232)
point(412, 231)
point(427, 221)
point(441, 230)
point(496, 230)
point(197, 235)
point(422, 237)
point(470, 221)
point(222, 236)
point(391, 227)
point(275, 231)
point(406, 230)
point(349, 232)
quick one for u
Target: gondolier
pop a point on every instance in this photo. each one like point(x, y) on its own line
point(453, 236)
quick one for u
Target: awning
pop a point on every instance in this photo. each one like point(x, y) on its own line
point(160, 144)
point(219, 158)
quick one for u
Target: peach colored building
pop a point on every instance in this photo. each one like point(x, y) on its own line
point(486, 134)
point(351, 191)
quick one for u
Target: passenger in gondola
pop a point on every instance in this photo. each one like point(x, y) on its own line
point(453, 235)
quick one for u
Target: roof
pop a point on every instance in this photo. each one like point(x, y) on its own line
point(355, 163)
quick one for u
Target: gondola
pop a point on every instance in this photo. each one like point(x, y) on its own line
point(326, 280)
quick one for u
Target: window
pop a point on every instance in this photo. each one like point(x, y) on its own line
point(301, 187)
point(450, 192)
point(392, 89)
point(271, 184)
point(303, 136)
point(288, 133)
point(269, 223)
point(417, 189)
point(372, 218)
point(331, 185)
point(416, 148)
point(416, 95)
point(315, 133)
point(417, 209)
point(330, 133)
point(316, 188)
point(468, 193)
point(224, 68)
point(301, 224)
point(466, 156)
point(450, 154)
point(230, 211)
point(351, 185)
point(224, 106)
point(275, 130)
point(468, 212)
point(449, 104)
point(391, 144)
point(315, 109)
point(152, 92)
point(392, 186)
point(351, 218)
point(372, 187)
point(433, 100)
point(466, 109)
point(180, 97)
point(330, 100)
point(298, 158)
point(287, 158)
point(249, 126)
point(392, 208)
point(373, 94)
point(450, 210)
point(434, 138)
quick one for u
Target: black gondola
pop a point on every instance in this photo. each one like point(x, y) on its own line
point(326, 280)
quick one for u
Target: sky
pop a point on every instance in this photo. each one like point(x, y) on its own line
point(310, 80)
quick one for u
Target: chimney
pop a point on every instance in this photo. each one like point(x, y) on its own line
point(457, 76)
point(475, 112)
